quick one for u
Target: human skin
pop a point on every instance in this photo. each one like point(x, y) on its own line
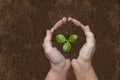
point(82, 65)
point(59, 65)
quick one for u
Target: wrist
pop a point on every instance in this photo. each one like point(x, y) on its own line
point(53, 75)
point(58, 68)
point(85, 64)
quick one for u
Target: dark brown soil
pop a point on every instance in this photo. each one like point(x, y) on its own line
point(23, 24)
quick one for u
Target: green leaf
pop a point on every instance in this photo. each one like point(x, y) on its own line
point(66, 47)
point(60, 38)
point(73, 38)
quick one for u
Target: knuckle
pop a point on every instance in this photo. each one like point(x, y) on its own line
point(61, 64)
point(91, 45)
point(54, 48)
point(91, 34)
point(47, 51)
point(46, 38)
point(84, 59)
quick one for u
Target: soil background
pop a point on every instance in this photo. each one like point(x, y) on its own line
point(23, 25)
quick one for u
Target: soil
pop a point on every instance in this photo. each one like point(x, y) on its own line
point(23, 25)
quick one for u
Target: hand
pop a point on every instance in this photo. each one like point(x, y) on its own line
point(59, 65)
point(82, 65)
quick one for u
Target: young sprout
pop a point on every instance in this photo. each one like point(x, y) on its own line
point(73, 38)
point(66, 47)
point(60, 38)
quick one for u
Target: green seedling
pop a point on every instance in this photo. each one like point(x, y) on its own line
point(60, 38)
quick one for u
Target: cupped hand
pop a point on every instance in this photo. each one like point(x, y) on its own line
point(82, 65)
point(59, 65)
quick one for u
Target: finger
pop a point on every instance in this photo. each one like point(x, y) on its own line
point(65, 71)
point(88, 48)
point(77, 23)
point(90, 36)
point(76, 68)
point(90, 39)
point(59, 23)
point(47, 44)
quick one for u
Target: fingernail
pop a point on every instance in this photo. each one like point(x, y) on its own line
point(69, 19)
point(64, 19)
point(74, 60)
point(47, 31)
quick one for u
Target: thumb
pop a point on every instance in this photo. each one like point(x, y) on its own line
point(76, 69)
